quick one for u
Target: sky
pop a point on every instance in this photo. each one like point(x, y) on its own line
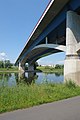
point(17, 20)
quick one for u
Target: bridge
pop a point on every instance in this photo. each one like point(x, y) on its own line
point(57, 30)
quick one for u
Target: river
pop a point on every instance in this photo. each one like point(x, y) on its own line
point(12, 79)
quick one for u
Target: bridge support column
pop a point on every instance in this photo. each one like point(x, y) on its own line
point(46, 40)
point(21, 67)
point(30, 67)
point(72, 61)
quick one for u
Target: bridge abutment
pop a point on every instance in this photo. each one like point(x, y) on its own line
point(21, 67)
point(72, 61)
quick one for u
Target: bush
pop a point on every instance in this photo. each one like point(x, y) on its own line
point(70, 84)
point(47, 67)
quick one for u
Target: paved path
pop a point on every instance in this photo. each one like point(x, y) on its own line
point(68, 109)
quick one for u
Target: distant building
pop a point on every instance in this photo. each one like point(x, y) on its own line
point(49, 65)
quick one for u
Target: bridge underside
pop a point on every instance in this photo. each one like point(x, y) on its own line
point(56, 37)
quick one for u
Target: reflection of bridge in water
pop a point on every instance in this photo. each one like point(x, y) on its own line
point(13, 79)
point(40, 77)
point(57, 30)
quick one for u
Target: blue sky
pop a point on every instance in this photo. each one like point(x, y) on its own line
point(17, 20)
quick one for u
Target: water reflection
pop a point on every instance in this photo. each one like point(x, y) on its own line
point(58, 74)
point(28, 77)
point(40, 77)
point(7, 79)
point(12, 79)
point(31, 77)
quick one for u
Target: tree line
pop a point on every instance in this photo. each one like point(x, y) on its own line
point(6, 64)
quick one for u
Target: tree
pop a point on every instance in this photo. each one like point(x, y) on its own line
point(1, 64)
point(7, 64)
point(59, 66)
point(36, 65)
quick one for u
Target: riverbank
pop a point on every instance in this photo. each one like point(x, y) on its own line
point(47, 69)
point(9, 70)
point(40, 69)
point(24, 96)
point(61, 110)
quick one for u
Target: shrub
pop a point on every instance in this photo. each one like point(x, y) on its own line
point(70, 84)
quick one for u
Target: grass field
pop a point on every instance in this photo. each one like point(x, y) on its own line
point(24, 96)
point(13, 69)
point(50, 69)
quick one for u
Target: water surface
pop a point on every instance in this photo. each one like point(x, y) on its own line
point(12, 79)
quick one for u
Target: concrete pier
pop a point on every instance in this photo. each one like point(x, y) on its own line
point(72, 61)
point(21, 67)
point(30, 66)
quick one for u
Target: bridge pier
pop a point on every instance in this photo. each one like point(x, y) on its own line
point(21, 67)
point(30, 66)
point(72, 61)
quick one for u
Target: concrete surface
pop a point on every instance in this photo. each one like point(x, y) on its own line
point(72, 61)
point(68, 109)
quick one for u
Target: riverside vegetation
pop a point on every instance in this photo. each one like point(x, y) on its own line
point(24, 96)
point(49, 69)
point(9, 70)
point(7, 66)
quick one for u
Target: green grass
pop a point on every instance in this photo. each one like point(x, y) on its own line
point(50, 69)
point(24, 96)
point(13, 69)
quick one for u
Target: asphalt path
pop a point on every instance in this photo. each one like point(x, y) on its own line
point(68, 109)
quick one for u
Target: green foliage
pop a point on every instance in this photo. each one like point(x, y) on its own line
point(70, 84)
point(36, 65)
point(5, 64)
point(24, 96)
point(1, 64)
point(9, 70)
point(59, 66)
point(48, 69)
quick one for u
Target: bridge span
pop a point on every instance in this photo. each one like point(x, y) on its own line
point(57, 30)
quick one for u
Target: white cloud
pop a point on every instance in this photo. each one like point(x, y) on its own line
point(3, 56)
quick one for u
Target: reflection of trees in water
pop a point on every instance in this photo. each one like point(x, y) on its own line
point(45, 80)
point(58, 74)
point(26, 78)
point(1, 76)
point(19, 77)
point(16, 77)
point(5, 76)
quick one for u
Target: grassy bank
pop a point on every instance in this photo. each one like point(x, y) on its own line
point(24, 96)
point(50, 69)
point(13, 69)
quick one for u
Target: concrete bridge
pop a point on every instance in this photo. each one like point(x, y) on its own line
point(57, 30)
